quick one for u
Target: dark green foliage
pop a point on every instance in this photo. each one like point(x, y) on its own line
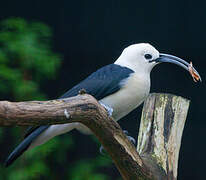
point(26, 59)
point(85, 169)
point(26, 63)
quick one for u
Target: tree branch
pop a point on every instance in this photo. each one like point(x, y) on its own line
point(159, 137)
point(86, 110)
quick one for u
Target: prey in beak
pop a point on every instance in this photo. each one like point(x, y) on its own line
point(180, 62)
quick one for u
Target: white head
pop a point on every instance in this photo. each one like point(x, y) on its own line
point(142, 57)
point(137, 57)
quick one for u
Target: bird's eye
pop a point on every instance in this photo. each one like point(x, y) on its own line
point(148, 56)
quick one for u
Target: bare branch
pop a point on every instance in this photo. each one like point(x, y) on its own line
point(159, 138)
point(84, 109)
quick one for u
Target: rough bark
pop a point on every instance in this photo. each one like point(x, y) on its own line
point(161, 128)
point(84, 109)
point(159, 137)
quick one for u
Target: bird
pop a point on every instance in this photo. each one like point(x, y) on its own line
point(120, 87)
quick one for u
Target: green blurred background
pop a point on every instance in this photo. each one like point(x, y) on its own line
point(27, 62)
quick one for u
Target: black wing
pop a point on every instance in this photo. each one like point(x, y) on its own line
point(99, 84)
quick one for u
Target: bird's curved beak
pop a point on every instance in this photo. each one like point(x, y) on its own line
point(178, 61)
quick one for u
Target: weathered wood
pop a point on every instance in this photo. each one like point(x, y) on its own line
point(159, 138)
point(161, 128)
point(76, 108)
point(86, 110)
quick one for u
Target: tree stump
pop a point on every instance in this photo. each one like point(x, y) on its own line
point(160, 133)
point(159, 140)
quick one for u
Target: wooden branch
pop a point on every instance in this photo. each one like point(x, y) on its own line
point(74, 109)
point(159, 137)
point(86, 110)
point(161, 128)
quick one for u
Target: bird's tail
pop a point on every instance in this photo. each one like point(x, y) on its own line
point(38, 136)
point(23, 146)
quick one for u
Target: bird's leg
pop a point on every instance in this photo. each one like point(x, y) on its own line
point(108, 108)
point(131, 139)
point(103, 151)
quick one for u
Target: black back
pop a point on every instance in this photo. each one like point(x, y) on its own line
point(101, 83)
point(105, 81)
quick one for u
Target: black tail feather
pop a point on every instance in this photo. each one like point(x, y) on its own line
point(23, 146)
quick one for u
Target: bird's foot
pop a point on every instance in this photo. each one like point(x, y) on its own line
point(102, 151)
point(108, 108)
point(131, 139)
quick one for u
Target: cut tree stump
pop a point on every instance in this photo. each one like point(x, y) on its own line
point(160, 133)
point(159, 140)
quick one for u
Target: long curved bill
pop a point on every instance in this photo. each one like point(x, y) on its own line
point(180, 62)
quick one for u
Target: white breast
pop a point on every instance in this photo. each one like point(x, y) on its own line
point(134, 91)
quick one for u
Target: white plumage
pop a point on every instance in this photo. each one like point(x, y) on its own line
point(121, 86)
point(133, 92)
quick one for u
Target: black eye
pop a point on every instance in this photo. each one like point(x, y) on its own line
point(148, 56)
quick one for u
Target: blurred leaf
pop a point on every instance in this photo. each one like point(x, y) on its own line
point(88, 169)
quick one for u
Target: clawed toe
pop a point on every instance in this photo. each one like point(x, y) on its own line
point(131, 139)
point(102, 150)
point(108, 108)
